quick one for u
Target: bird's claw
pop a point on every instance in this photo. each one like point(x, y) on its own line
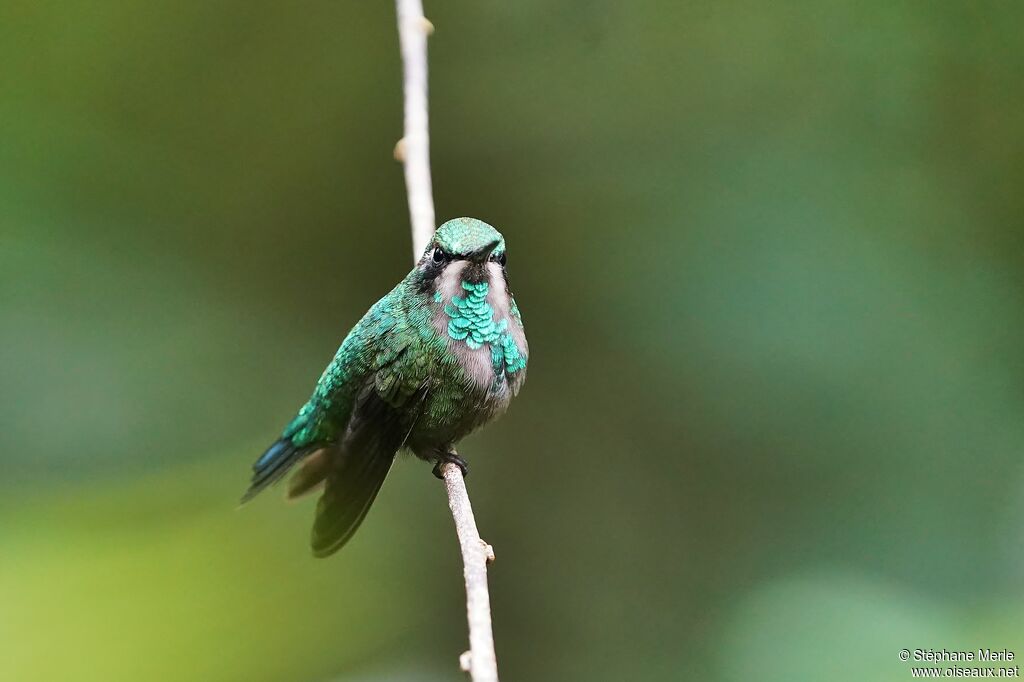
point(452, 458)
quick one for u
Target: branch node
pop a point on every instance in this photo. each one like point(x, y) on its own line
point(399, 152)
point(426, 26)
point(488, 552)
point(466, 661)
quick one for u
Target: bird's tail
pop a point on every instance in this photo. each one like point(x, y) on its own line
point(273, 464)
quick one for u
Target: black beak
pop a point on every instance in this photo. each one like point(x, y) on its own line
point(481, 255)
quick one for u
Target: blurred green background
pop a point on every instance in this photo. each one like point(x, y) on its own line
point(769, 258)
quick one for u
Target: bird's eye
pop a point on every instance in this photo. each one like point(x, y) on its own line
point(437, 256)
point(502, 259)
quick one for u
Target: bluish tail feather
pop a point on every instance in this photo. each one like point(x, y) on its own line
point(272, 465)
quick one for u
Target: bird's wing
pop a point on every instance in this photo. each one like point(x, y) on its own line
point(375, 343)
point(385, 411)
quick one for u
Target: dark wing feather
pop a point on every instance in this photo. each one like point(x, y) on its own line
point(374, 435)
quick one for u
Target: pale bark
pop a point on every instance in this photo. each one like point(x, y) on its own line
point(413, 150)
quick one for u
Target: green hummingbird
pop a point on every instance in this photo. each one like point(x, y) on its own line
point(440, 355)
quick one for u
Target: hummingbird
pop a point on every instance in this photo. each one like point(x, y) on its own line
point(439, 356)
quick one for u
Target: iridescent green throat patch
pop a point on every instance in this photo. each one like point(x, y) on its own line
point(471, 319)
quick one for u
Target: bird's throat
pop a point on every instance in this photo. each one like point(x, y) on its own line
point(471, 320)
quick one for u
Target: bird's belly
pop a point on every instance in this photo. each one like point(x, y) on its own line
point(465, 394)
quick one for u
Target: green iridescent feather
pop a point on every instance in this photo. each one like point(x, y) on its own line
point(462, 235)
point(376, 347)
point(471, 318)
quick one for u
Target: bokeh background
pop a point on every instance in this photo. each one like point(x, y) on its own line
point(769, 258)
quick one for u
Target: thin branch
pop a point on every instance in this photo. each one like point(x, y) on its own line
point(480, 661)
point(413, 150)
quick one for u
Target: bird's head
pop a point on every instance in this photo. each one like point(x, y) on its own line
point(463, 250)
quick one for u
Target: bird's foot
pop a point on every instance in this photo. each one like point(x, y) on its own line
point(453, 458)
